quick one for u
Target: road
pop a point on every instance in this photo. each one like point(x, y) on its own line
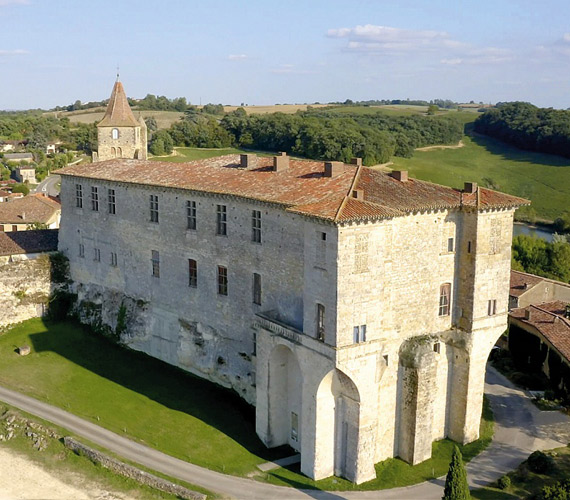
point(49, 185)
point(520, 428)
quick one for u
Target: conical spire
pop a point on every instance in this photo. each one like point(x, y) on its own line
point(118, 112)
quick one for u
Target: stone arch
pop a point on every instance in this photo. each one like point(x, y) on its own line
point(119, 153)
point(285, 398)
point(338, 424)
point(113, 152)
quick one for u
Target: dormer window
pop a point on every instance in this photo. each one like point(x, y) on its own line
point(115, 133)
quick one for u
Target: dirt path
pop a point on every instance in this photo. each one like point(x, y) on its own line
point(21, 478)
point(432, 148)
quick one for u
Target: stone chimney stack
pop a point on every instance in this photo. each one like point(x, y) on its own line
point(400, 175)
point(470, 187)
point(248, 160)
point(280, 162)
point(527, 314)
point(356, 161)
point(333, 168)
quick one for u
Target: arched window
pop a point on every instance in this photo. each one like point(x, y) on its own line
point(119, 153)
point(115, 133)
point(444, 299)
point(114, 152)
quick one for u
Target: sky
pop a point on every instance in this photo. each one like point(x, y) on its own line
point(54, 52)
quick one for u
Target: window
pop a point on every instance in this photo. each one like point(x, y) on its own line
point(111, 197)
point(154, 208)
point(155, 259)
point(256, 226)
point(81, 250)
point(254, 351)
point(469, 247)
point(221, 220)
point(492, 307)
point(113, 259)
point(79, 196)
point(359, 334)
point(94, 199)
point(294, 426)
point(96, 255)
point(437, 347)
point(444, 299)
point(320, 322)
point(192, 273)
point(191, 215)
point(450, 244)
point(257, 289)
point(222, 280)
point(362, 333)
point(115, 133)
point(321, 248)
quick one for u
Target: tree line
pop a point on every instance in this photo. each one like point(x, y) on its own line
point(538, 256)
point(528, 127)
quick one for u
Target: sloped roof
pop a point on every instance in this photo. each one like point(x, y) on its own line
point(34, 241)
point(118, 113)
point(522, 282)
point(302, 187)
point(549, 320)
point(29, 209)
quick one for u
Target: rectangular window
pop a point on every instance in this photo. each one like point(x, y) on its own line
point(97, 255)
point(254, 351)
point(81, 250)
point(192, 273)
point(94, 199)
point(492, 307)
point(469, 247)
point(256, 226)
point(257, 289)
point(154, 208)
point(362, 333)
point(111, 198)
point(191, 215)
point(356, 335)
point(222, 280)
point(294, 426)
point(321, 248)
point(155, 260)
point(79, 196)
point(450, 244)
point(437, 347)
point(320, 322)
point(444, 299)
point(113, 259)
point(221, 220)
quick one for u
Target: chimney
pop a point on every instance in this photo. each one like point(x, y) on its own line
point(400, 175)
point(23, 215)
point(358, 194)
point(356, 161)
point(280, 162)
point(525, 286)
point(470, 187)
point(248, 160)
point(527, 314)
point(333, 168)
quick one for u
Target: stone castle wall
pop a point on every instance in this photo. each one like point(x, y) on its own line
point(131, 143)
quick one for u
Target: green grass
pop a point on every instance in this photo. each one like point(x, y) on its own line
point(189, 154)
point(544, 179)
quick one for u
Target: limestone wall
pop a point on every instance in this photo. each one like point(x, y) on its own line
point(129, 144)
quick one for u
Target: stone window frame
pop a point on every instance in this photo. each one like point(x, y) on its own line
point(97, 254)
point(114, 259)
point(112, 201)
point(444, 300)
point(192, 273)
point(222, 280)
point(154, 208)
point(155, 262)
point(256, 226)
point(256, 288)
point(221, 220)
point(78, 195)
point(320, 321)
point(359, 334)
point(491, 307)
point(191, 221)
point(94, 198)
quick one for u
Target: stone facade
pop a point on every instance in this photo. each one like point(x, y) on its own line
point(368, 340)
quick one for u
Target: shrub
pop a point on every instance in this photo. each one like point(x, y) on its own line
point(540, 463)
point(558, 491)
point(456, 486)
point(504, 482)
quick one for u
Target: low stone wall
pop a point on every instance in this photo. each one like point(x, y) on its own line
point(24, 289)
point(131, 472)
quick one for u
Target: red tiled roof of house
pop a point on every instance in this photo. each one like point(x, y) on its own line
point(302, 187)
point(34, 241)
point(29, 209)
point(118, 113)
point(522, 282)
point(4, 194)
point(549, 320)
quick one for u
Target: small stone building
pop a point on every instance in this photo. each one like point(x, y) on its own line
point(527, 289)
point(119, 133)
point(25, 174)
point(354, 308)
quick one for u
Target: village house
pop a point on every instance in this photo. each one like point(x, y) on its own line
point(25, 174)
point(27, 245)
point(21, 214)
point(19, 157)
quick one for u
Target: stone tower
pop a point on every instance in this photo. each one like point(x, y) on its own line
point(119, 133)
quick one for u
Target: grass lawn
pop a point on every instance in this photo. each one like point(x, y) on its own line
point(190, 154)
point(544, 179)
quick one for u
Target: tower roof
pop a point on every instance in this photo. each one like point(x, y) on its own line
point(118, 112)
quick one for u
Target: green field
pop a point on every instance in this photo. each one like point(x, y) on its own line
point(182, 155)
point(543, 179)
point(168, 409)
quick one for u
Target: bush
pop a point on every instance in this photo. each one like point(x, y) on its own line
point(558, 491)
point(540, 463)
point(504, 482)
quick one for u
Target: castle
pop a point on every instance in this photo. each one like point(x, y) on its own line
point(354, 308)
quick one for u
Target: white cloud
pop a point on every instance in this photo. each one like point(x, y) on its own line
point(237, 57)
point(16, 52)
point(290, 69)
point(452, 62)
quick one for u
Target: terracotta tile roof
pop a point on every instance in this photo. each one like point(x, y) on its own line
point(29, 209)
point(34, 241)
point(302, 188)
point(522, 282)
point(4, 194)
point(549, 320)
point(118, 113)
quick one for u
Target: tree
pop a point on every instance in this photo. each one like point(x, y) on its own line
point(21, 188)
point(432, 109)
point(456, 486)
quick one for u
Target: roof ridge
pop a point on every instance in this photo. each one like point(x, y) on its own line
point(350, 189)
point(546, 311)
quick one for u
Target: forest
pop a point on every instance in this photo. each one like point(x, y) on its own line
point(528, 127)
point(538, 256)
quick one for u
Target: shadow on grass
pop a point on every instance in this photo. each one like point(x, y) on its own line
point(173, 388)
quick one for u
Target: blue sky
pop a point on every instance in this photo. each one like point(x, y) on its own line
point(53, 52)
